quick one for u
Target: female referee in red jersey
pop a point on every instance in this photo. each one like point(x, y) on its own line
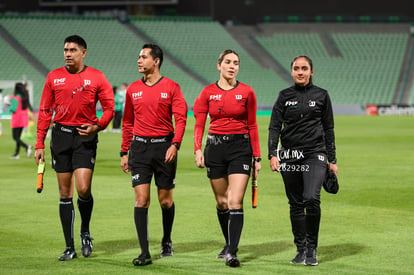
point(148, 134)
point(233, 140)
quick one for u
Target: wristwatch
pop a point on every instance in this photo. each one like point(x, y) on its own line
point(258, 159)
point(121, 153)
point(177, 145)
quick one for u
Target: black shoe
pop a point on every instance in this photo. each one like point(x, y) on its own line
point(68, 254)
point(223, 252)
point(166, 249)
point(311, 258)
point(232, 260)
point(299, 258)
point(142, 260)
point(86, 242)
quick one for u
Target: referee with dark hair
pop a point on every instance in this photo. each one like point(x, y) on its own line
point(302, 118)
point(70, 94)
point(148, 135)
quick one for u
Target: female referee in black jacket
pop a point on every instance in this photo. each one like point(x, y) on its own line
point(302, 117)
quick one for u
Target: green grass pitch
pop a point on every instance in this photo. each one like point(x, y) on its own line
point(367, 228)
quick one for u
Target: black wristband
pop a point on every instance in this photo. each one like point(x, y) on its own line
point(121, 154)
point(258, 159)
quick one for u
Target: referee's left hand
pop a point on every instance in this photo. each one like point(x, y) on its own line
point(171, 154)
point(87, 130)
point(333, 167)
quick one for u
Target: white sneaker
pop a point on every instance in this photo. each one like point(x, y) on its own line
point(14, 157)
point(29, 151)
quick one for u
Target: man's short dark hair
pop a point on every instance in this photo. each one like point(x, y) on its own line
point(76, 39)
point(156, 52)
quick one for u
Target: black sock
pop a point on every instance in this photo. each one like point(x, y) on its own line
point(223, 217)
point(85, 209)
point(67, 217)
point(141, 225)
point(235, 229)
point(167, 222)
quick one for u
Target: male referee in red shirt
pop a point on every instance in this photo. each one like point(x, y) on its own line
point(148, 134)
point(70, 94)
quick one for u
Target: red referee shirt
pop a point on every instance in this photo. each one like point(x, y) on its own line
point(72, 99)
point(149, 111)
point(231, 112)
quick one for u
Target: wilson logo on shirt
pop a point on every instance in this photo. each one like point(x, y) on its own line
point(164, 95)
point(86, 83)
point(239, 97)
point(312, 103)
point(216, 97)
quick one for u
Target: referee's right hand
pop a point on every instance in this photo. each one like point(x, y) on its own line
point(124, 164)
point(199, 158)
point(274, 164)
point(39, 155)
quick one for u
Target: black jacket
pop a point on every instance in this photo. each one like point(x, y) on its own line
point(303, 119)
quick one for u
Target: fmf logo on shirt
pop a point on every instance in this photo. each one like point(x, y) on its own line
point(59, 81)
point(291, 103)
point(137, 95)
point(216, 97)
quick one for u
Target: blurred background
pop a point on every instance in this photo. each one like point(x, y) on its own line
point(362, 51)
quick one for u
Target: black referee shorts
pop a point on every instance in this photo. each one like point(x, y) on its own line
point(147, 158)
point(227, 154)
point(71, 151)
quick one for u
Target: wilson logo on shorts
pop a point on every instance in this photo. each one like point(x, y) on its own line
point(246, 167)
